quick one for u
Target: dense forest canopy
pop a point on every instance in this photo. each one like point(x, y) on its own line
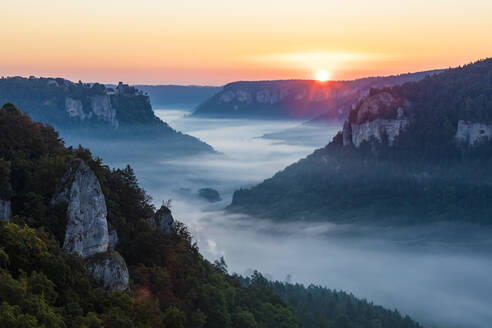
point(171, 285)
point(425, 176)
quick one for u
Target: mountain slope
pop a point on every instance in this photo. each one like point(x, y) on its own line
point(407, 154)
point(79, 110)
point(170, 284)
point(43, 285)
point(296, 98)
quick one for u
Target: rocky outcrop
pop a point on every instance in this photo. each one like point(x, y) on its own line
point(109, 269)
point(375, 130)
point(88, 232)
point(209, 194)
point(162, 220)
point(5, 210)
point(379, 116)
point(87, 228)
point(74, 108)
point(473, 133)
point(102, 109)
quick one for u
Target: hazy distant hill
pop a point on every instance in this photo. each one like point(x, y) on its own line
point(95, 111)
point(296, 98)
point(413, 153)
point(177, 96)
point(139, 272)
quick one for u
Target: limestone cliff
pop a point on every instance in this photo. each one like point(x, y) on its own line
point(473, 133)
point(378, 116)
point(87, 228)
point(109, 269)
point(5, 210)
point(85, 113)
point(100, 109)
point(88, 232)
point(103, 110)
point(163, 220)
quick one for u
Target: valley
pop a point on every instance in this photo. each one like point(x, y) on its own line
point(427, 271)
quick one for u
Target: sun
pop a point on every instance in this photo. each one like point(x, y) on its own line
point(322, 75)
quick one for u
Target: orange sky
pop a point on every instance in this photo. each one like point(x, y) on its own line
point(217, 41)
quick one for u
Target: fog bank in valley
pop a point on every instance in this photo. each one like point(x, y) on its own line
point(439, 274)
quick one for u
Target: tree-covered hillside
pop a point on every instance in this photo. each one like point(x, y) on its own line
point(298, 99)
point(41, 286)
point(427, 174)
point(318, 306)
point(85, 111)
point(171, 285)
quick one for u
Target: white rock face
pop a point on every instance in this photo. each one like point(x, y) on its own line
point(163, 220)
point(367, 126)
point(376, 129)
point(101, 107)
point(74, 108)
point(473, 133)
point(110, 270)
point(5, 210)
point(87, 227)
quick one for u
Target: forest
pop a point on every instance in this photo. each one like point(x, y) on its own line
point(171, 284)
point(425, 176)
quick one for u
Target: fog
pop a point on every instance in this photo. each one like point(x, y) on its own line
point(439, 274)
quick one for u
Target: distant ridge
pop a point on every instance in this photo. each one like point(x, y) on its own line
point(409, 154)
point(94, 111)
point(296, 99)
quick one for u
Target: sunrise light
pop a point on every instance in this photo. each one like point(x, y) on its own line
point(322, 75)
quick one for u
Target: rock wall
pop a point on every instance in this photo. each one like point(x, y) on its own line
point(376, 129)
point(5, 210)
point(74, 108)
point(370, 121)
point(110, 270)
point(87, 228)
point(162, 220)
point(102, 109)
point(88, 232)
point(473, 133)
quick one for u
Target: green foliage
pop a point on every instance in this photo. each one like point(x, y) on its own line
point(426, 176)
point(42, 286)
point(319, 307)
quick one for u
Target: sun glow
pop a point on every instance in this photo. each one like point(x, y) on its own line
point(322, 75)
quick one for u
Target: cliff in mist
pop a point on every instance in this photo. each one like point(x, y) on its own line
point(82, 246)
point(94, 111)
point(301, 99)
point(413, 153)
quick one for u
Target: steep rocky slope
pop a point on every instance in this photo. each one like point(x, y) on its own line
point(80, 110)
point(296, 98)
point(80, 230)
point(407, 154)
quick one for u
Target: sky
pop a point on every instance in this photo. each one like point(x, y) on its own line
point(216, 41)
